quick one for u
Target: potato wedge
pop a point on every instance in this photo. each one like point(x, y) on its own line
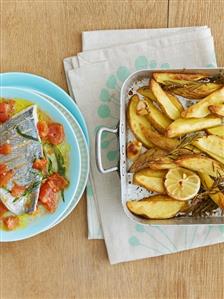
point(175, 101)
point(162, 163)
point(134, 149)
point(158, 119)
point(182, 126)
point(208, 182)
point(150, 179)
point(136, 121)
point(156, 207)
point(201, 109)
point(219, 131)
point(159, 140)
point(202, 164)
point(164, 101)
point(211, 145)
point(143, 161)
point(217, 109)
point(190, 86)
point(146, 92)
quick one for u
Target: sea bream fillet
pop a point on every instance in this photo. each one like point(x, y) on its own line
point(22, 134)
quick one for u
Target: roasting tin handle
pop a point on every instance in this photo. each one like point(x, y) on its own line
point(98, 149)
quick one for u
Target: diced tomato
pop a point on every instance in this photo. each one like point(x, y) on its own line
point(5, 177)
point(3, 168)
point(57, 182)
point(5, 149)
point(56, 133)
point(6, 109)
point(17, 190)
point(48, 197)
point(42, 127)
point(40, 164)
point(11, 222)
point(3, 209)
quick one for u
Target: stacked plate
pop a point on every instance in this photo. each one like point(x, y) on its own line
point(60, 106)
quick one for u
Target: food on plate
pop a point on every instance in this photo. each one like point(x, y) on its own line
point(219, 131)
point(182, 184)
point(136, 121)
point(190, 86)
point(34, 158)
point(182, 126)
point(201, 163)
point(134, 149)
point(201, 109)
point(217, 109)
point(164, 101)
point(156, 207)
point(185, 164)
point(152, 180)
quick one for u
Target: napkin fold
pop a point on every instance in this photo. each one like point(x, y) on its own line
point(94, 78)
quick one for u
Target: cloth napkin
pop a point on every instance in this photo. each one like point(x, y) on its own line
point(95, 77)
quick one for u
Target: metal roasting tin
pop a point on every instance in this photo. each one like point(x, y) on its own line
point(128, 190)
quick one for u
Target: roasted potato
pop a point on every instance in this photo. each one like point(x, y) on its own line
point(134, 149)
point(217, 109)
point(143, 161)
point(150, 179)
point(162, 163)
point(136, 121)
point(219, 131)
point(202, 164)
point(159, 140)
point(201, 109)
point(190, 86)
point(183, 126)
point(158, 119)
point(208, 183)
point(156, 207)
point(164, 101)
point(175, 101)
point(146, 92)
point(211, 145)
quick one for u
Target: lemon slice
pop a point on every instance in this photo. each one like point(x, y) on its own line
point(182, 184)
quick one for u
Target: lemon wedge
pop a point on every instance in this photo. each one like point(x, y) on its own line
point(181, 183)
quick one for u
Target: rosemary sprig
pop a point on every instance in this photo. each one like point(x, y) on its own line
point(184, 142)
point(25, 135)
point(29, 190)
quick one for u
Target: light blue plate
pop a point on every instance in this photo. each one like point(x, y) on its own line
point(40, 223)
point(31, 81)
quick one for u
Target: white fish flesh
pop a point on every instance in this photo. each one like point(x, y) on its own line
point(22, 134)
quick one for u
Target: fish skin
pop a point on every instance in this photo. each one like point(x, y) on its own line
point(24, 152)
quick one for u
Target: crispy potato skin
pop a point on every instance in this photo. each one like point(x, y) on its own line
point(151, 180)
point(182, 126)
point(218, 131)
point(160, 140)
point(217, 109)
point(156, 207)
point(201, 109)
point(164, 101)
point(212, 145)
point(186, 85)
point(144, 160)
point(135, 122)
point(200, 163)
